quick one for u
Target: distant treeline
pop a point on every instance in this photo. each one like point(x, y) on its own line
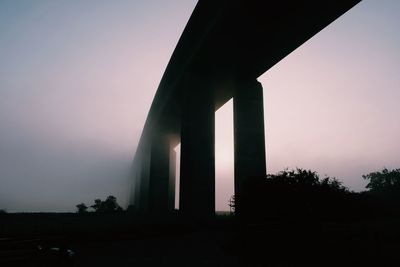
point(302, 194)
point(101, 206)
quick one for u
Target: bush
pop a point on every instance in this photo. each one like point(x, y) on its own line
point(81, 208)
point(109, 205)
point(384, 187)
point(293, 194)
point(383, 182)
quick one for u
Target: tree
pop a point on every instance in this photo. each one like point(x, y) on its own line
point(82, 208)
point(97, 206)
point(109, 205)
point(384, 189)
point(295, 193)
point(385, 181)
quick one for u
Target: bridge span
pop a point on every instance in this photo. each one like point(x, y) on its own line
point(225, 46)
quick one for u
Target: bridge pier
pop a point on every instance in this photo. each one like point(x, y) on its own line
point(135, 195)
point(156, 186)
point(197, 181)
point(172, 180)
point(159, 174)
point(249, 138)
point(144, 179)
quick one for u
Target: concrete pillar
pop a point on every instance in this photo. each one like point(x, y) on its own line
point(144, 180)
point(136, 185)
point(159, 174)
point(172, 176)
point(197, 181)
point(249, 138)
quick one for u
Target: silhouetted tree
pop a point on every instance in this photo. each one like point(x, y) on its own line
point(384, 181)
point(97, 205)
point(295, 193)
point(383, 192)
point(109, 205)
point(81, 208)
point(3, 211)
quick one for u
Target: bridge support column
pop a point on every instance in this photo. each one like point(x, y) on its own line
point(144, 180)
point(135, 195)
point(197, 181)
point(159, 175)
point(249, 138)
point(172, 180)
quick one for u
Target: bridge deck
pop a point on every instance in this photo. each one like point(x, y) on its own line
point(237, 38)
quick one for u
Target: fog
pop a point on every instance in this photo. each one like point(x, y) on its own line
point(76, 82)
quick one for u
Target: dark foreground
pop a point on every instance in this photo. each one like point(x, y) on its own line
point(123, 239)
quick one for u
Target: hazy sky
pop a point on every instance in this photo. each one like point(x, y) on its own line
point(77, 79)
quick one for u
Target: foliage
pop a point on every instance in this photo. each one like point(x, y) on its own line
point(108, 205)
point(305, 179)
point(293, 194)
point(384, 181)
point(81, 208)
point(3, 211)
point(97, 206)
point(384, 189)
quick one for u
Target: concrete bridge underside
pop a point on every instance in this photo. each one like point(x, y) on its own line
point(225, 47)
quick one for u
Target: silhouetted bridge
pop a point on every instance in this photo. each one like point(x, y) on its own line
point(225, 47)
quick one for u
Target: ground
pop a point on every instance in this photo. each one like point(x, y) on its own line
point(130, 240)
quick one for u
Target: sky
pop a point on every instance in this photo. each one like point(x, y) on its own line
point(77, 79)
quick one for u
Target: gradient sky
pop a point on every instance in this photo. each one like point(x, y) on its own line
point(77, 79)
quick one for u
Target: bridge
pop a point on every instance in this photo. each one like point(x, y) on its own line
point(225, 46)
